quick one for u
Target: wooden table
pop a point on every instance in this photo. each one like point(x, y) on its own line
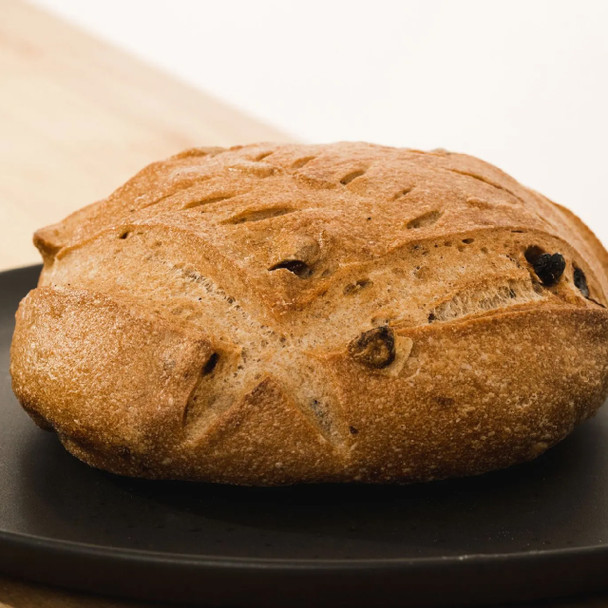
point(77, 118)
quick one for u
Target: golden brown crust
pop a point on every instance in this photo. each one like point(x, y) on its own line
point(273, 314)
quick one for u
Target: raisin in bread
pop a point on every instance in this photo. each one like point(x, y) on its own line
point(272, 314)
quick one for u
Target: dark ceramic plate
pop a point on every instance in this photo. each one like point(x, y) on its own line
point(532, 531)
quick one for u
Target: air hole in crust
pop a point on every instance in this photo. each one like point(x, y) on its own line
point(580, 281)
point(403, 192)
point(206, 201)
point(468, 241)
point(210, 365)
point(124, 235)
point(260, 214)
point(298, 267)
point(250, 167)
point(262, 156)
point(347, 179)
point(425, 220)
point(478, 203)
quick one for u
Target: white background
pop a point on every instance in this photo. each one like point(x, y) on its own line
point(520, 83)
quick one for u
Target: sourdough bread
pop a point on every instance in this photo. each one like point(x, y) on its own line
point(273, 314)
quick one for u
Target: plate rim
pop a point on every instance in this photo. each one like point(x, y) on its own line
point(154, 557)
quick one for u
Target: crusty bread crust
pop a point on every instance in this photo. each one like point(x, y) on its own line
point(274, 314)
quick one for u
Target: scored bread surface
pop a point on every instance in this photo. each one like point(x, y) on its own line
point(272, 314)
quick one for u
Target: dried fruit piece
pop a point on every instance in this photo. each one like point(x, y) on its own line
point(374, 348)
point(580, 281)
point(548, 267)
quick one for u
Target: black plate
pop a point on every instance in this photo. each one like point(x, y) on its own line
point(535, 530)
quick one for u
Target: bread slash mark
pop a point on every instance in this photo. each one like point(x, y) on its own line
point(263, 155)
point(486, 181)
point(258, 215)
point(206, 371)
point(347, 179)
point(403, 193)
point(207, 201)
point(298, 267)
point(424, 220)
point(300, 162)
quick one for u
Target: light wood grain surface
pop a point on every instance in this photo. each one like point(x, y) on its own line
point(77, 118)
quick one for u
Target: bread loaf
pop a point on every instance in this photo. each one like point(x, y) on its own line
point(275, 314)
